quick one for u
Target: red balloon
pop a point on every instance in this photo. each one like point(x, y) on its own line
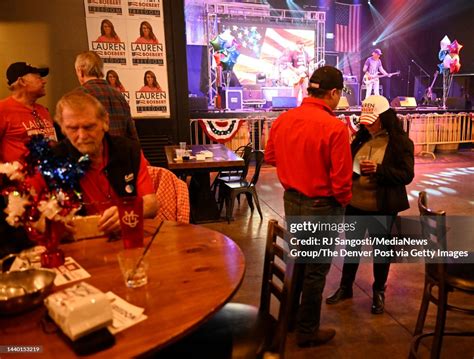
point(455, 64)
point(455, 47)
point(217, 57)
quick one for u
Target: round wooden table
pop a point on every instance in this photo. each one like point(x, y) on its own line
point(193, 272)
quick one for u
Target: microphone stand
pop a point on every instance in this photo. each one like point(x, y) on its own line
point(408, 81)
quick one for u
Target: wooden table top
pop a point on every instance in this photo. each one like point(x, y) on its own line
point(223, 158)
point(193, 272)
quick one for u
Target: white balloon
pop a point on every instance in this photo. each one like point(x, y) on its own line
point(444, 43)
point(447, 61)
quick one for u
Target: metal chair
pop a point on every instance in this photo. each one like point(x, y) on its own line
point(230, 190)
point(447, 277)
point(244, 331)
point(234, 175)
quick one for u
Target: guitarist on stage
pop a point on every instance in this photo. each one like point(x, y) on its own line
point(299, 63)
point(371, 68)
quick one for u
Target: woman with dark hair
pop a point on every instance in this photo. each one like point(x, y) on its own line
point(150, 83)
point(107, 32)
point(113, 79)
point(383, 164)
point(146, 34)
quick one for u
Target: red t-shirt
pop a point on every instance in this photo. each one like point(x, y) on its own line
point(311, 151)
point(17, 124)
point(97, 190)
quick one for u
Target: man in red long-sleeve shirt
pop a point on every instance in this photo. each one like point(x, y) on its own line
point(310, 148)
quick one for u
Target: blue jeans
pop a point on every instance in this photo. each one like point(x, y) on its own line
point(314, 277)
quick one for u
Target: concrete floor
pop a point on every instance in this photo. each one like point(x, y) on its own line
point(449, 181)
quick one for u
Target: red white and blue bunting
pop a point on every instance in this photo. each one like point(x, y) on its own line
point(221, 130)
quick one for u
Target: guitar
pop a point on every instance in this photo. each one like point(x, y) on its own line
point(369, 79)
point(297, 76)
point(428, 96)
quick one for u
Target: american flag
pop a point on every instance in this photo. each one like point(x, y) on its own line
point(347, 27)
point(261, 47)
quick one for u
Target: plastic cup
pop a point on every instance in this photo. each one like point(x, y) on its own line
point(131, 221)
point(182, 145)
point(134, 276)
point(180, 153)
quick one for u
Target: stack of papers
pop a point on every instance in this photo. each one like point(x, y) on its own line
point(124, 314)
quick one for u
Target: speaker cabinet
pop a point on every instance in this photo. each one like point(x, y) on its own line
point(198, 103)
point(456, 103)
point(284, 102)
point(232, 98)
point(402, 101)
point(352, 98)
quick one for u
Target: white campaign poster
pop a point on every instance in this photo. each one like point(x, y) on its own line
point(129, 36)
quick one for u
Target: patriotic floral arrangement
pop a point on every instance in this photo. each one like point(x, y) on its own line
point(60, 198)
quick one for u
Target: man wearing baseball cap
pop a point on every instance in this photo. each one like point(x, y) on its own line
point(310, 148)
point(20, 115)
point(383, 164)
point(371, 68)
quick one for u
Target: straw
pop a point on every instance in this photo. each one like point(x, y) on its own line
point(370, 152)
point(132, 273)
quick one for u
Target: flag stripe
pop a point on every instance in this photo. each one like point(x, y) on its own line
point(347, 28)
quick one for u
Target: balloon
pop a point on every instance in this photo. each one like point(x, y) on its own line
point(442, 54)
point(444, 43)
point(455, 47)
point(228, 38)
point(447, 61)
point(441, 68)
point(217, 58)
point(234, 55)
point(455, 64)
point(217, 43)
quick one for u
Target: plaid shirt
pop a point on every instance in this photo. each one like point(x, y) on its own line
point(121, 123)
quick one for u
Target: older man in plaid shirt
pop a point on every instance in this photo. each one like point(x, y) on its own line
point(89, 70)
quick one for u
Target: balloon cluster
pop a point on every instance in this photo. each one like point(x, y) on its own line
point(225, 50)
point(449, 55)
point(60, 173)
point(54, 195)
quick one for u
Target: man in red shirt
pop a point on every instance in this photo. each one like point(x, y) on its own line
point(118, 167)
point(20, 115)
point(310, 148)
point(20, 118)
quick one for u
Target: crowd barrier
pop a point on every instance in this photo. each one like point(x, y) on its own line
point(429, 132)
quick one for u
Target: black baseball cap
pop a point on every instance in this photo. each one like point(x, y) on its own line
point(326, 78)
point(19, 69)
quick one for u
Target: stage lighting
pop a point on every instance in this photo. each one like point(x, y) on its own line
point(374, 43)
point(368, 2)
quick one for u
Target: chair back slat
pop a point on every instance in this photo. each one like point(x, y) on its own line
point(276, 290)
point(258, 156)
point(283, 291)
point(278, 271)
point(433, 229)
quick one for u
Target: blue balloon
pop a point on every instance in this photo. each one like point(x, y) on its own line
point(442, 54)
point(234, 55)
point(441, 68)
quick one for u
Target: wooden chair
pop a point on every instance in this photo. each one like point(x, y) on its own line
point(172, 195)
point(244, 331)
point(446, 277)
point(230, 190)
